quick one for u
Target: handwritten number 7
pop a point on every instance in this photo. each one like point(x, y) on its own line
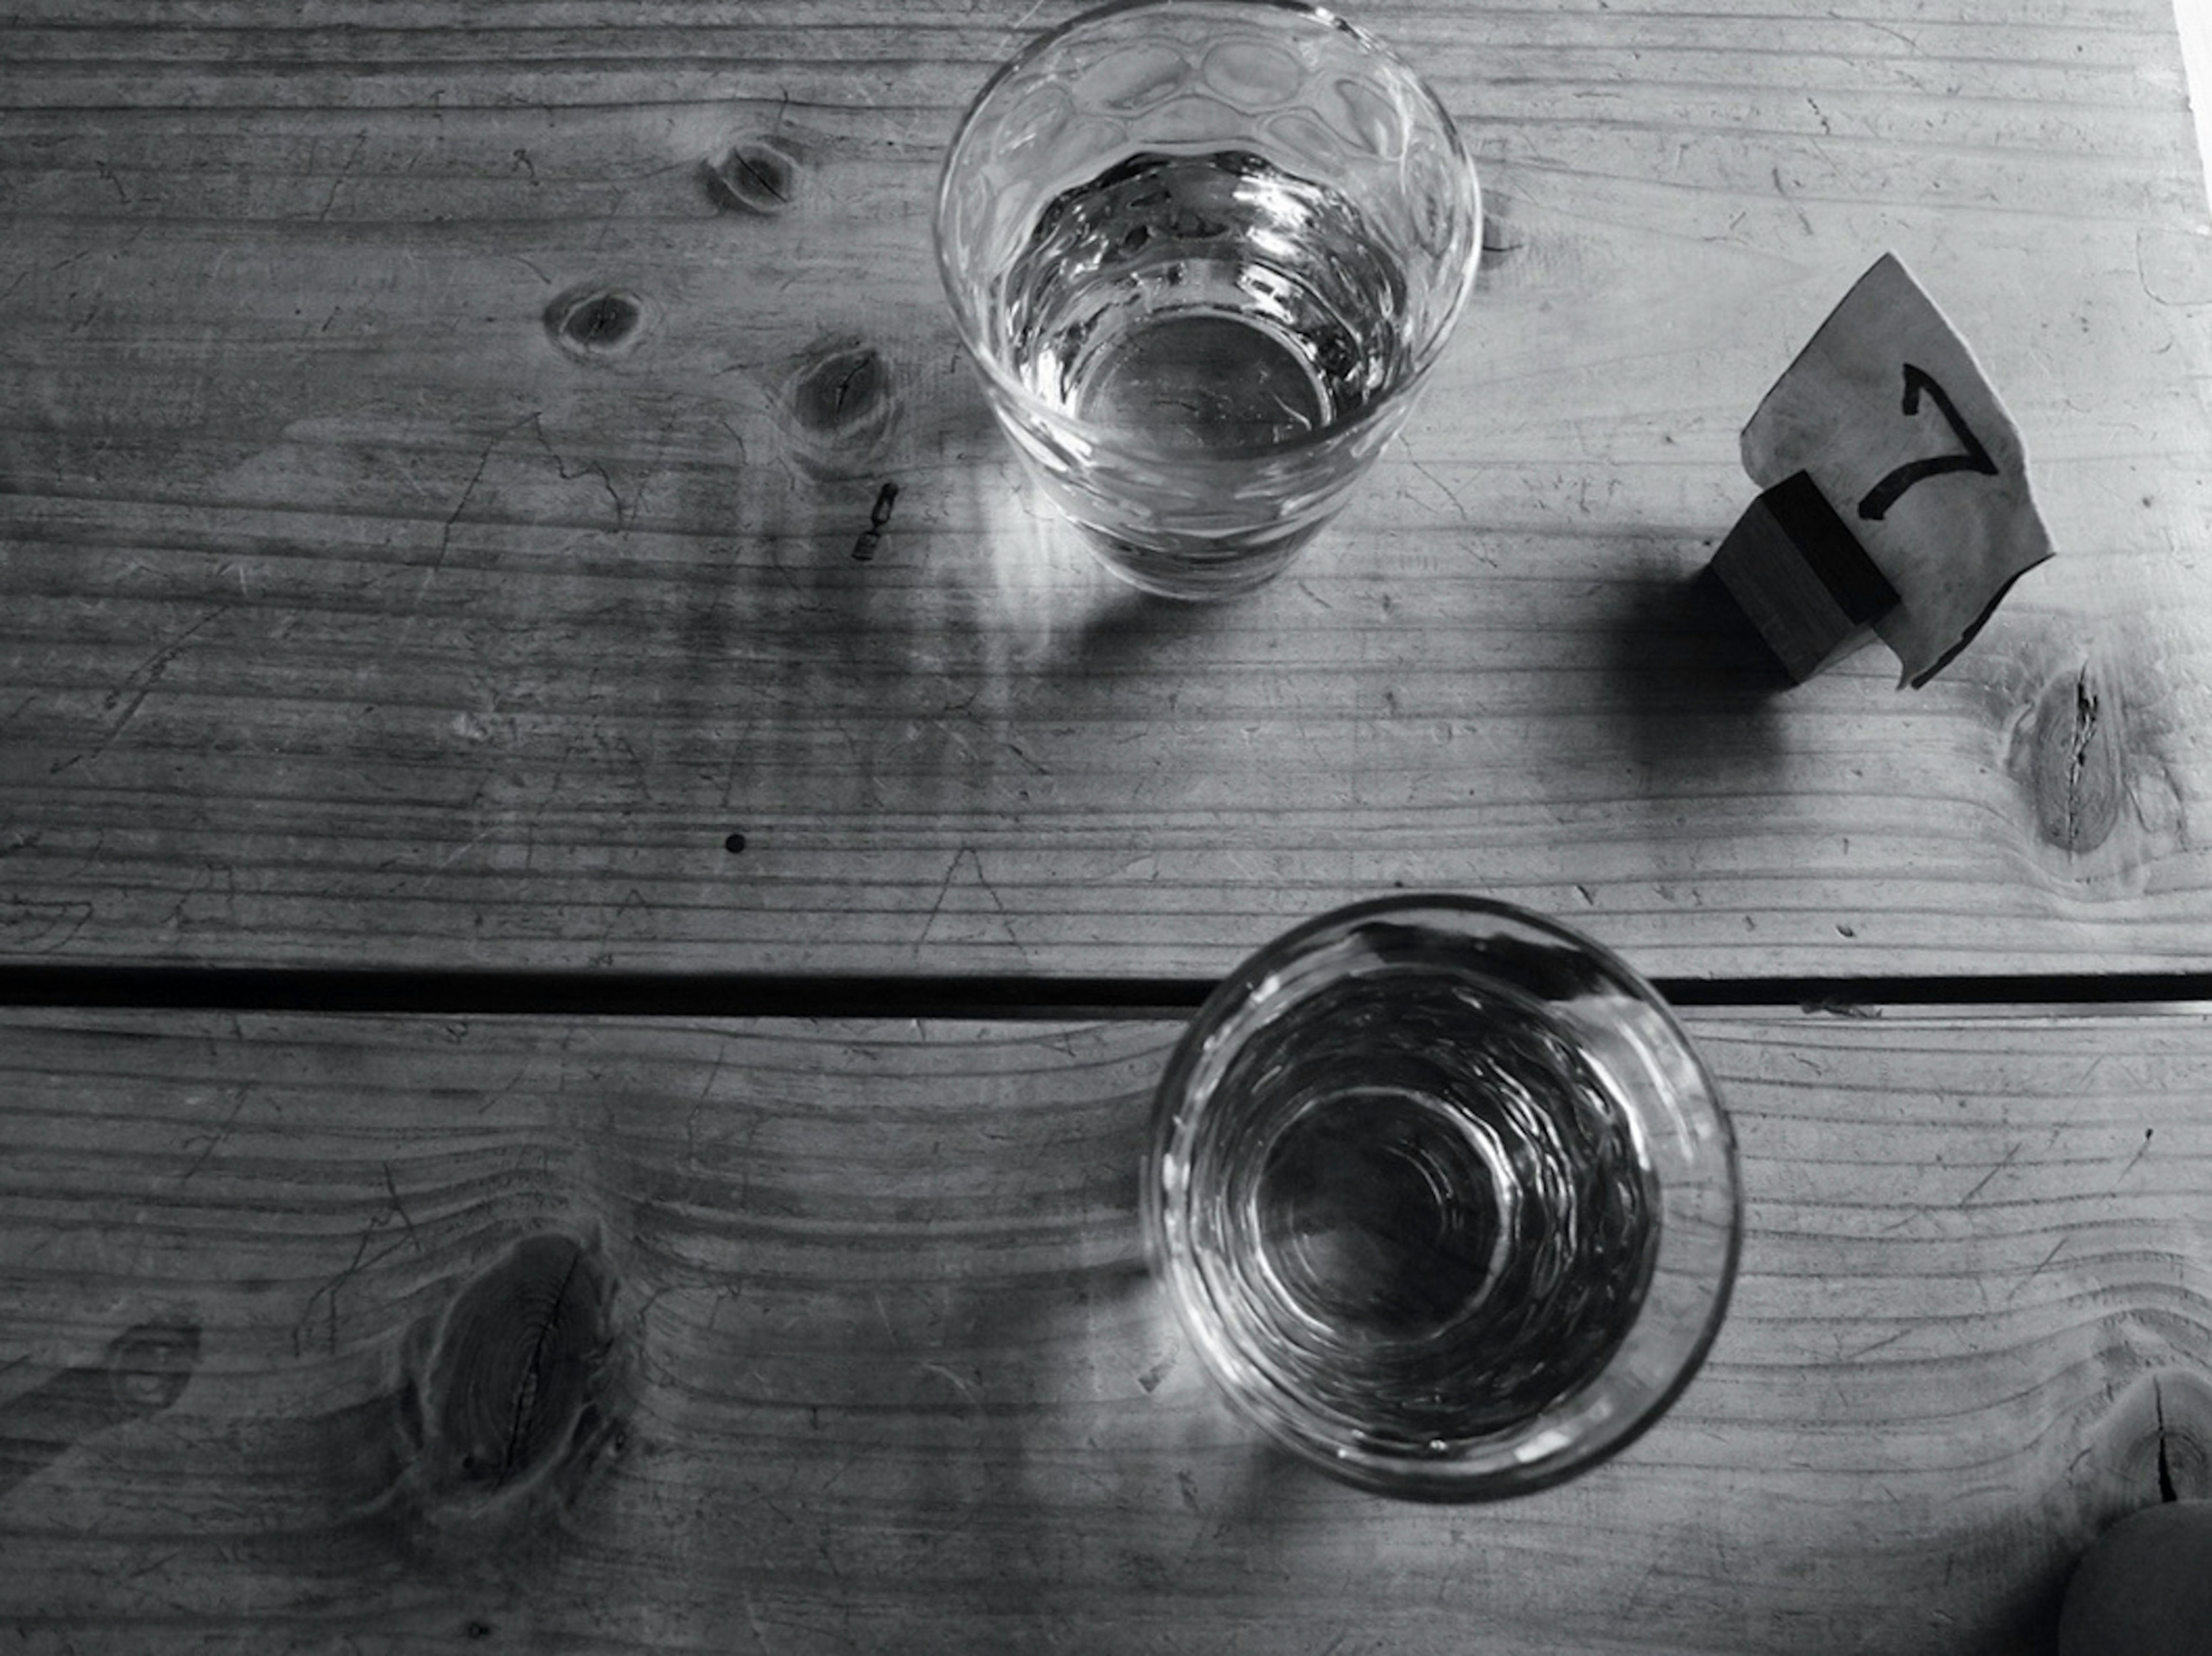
point(1972, 456)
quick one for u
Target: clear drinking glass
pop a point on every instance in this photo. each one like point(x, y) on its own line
point(1203, 251)
point(1443, 1198)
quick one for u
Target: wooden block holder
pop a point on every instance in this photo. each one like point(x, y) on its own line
point(1802, 579)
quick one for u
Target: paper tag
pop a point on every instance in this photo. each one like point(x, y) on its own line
point(1888, 412)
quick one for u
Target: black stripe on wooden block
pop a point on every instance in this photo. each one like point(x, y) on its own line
point(1797, 570)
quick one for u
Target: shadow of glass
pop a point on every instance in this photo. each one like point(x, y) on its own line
point(1063, 1451)
point(1123, 628)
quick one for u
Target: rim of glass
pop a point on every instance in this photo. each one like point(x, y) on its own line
point(1431, 349)
point(1494, 1476)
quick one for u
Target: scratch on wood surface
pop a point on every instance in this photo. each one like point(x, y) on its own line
point(753, 1617)
point(1631, 1604)
point(1886, 1340)
point(699, 1104)
point(1458, 505)
point(1782, 190)
point(466, 846)
point(215, 1140)
point(589, 468)
point(359, 143)
point(884, 1316)
point(392, 1188)
point(327, 1293)
point(18, 910)
point(969, 855)
point(971, 1395)
point(1982, 1183)
point(468, 490)
point(998, 738)
point(2142, 1150)
point(2042, 1265)
point(1919, 1211)
point(147, 675)
point(944, 888)
point(1899, 35)
point(1016, 29)
point(631, 898)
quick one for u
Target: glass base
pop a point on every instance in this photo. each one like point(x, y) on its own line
point(1195, 570)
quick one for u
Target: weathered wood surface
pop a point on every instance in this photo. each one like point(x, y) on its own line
point(435, 441)
point(859, 1354)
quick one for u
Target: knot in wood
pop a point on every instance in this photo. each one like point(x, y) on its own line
point(2078, 761)
point(596, 322)
point(513, 1379)
point(2153, 1442)
point(753, 177)
point(840, 390)
point(2181, 1410)
point(149, 1366)
point(841, 402)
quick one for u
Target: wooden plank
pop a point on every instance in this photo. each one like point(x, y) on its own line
point(874, 1360)
point(375, 591)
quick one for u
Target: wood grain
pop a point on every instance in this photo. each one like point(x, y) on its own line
point(434, 442)
point(846, 1344)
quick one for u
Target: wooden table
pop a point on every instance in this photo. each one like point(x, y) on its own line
point(495, 888)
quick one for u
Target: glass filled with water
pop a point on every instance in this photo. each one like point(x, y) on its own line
point(1443, 1198)
point(1204, 252)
